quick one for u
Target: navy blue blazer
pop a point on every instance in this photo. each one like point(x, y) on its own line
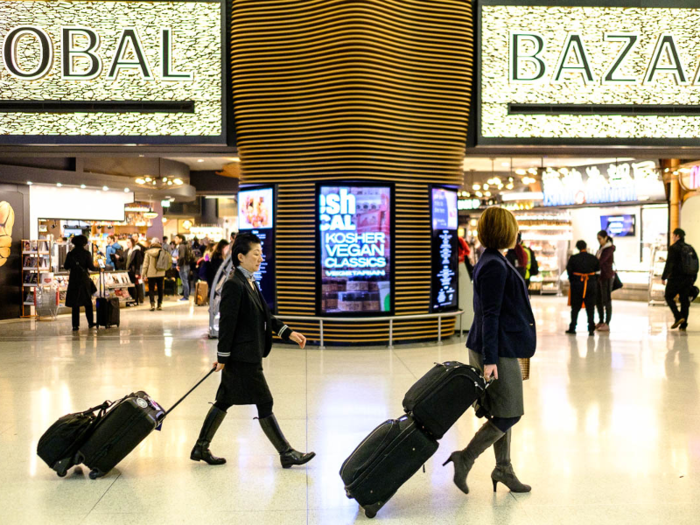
point(504, 325)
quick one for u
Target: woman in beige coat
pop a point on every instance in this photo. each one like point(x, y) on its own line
point(152, 275)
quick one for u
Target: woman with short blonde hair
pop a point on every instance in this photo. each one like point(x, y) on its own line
point(503, 330)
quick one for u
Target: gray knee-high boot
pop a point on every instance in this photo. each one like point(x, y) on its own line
point(463, 460)
point(211, 424)
point(504, 469)
point(288, 456)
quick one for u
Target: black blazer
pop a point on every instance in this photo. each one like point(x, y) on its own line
point(504, 325)
point(246, 323)
point(78, 261)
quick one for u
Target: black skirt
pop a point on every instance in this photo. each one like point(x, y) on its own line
point(243, 384)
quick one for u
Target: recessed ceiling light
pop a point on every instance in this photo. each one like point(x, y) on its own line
point(505, 164)
point(59, 184)
point(105, 188)
point(29, 183)
point(82, 186)
point(126, 190)
point(200, 160)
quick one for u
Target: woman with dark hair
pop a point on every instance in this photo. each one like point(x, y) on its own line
point(245, 338)
point(80, 286)
point(215, 261)
point(503, 330)
point(606, 256)
point(134, 262)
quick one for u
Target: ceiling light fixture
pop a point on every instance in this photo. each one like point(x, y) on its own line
point(82, 186)
point(59, 184)
point(29, 183)
point(105, 188)
point(200, 160)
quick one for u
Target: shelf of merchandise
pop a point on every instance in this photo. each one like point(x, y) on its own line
point(548, 236)
point(38, 254)
point(116, 285)
point(656, 287)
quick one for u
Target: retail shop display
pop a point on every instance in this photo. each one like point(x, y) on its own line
point(35, 258)
point(548, 236)
point(657, 288)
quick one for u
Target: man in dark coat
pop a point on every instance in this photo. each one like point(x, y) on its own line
point(245, 338)
point(679, 278)
point(583, 270)
point(80, 286)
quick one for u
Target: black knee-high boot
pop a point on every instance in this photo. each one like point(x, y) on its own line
point(504, 469)
point(288, 456)
point(201, 451)
point(463, 460)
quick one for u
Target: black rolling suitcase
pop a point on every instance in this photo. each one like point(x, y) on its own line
point(107, 308)
point(439, 398)
point(120, 431)
point(384, 461)
point(107, 311)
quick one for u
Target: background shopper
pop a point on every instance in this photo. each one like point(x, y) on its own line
point(606, 256)
point(245, 338)
point(215, 261)
point(679, 276)
point(80, 285)
point(134, 263)
point(152, 274)
point(583, 269)
point(503, 330)
point(184, 260)
point(114, 254)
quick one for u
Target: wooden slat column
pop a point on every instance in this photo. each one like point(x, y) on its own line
point(353, 90)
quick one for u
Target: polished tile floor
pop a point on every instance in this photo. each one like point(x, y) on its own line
point(611, 434)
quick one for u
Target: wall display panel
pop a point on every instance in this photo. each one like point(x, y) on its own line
point(619, 225)
point(567, 73)
point(111, 72)
point(355, 249)
point(445, 271)
point(256, 215)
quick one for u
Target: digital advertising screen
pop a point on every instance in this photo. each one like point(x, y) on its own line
point(444, 216)
point(354, 223)
point(118, 72)
point(618, 225)
point(255, 209)
point(571, 72)
point(256, 215)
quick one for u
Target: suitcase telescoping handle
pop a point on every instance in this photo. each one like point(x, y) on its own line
point(189, 392)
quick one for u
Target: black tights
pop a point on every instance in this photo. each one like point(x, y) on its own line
point(504, 423)
point(264, 409)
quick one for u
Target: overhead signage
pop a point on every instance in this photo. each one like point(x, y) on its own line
point(354, 224)
point(445, 249)
point(81, 71)
point(602, 184)
point(621, 74)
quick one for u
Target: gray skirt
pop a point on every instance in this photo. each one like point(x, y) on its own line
point(504, 398)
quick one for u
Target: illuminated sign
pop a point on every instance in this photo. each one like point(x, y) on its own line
point(256, 215)
point(468, 204)
point(354, 223)
point(623, 74)
point(445, 249)
point(601, 184)
point(690, 178)
point(77, 70)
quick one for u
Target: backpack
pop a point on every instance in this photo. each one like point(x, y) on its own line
point(118, 258)
point(534, 267)
point(689, 260)
point(189, 256)
point(164, 261)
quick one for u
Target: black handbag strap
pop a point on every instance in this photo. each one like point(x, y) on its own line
point(189, 392)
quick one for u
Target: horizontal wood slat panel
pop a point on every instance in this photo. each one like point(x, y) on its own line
point(339, 90)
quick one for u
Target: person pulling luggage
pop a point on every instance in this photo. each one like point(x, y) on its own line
point(679, 276)
point(245, 338)
point(583, 270)
point(503, 330)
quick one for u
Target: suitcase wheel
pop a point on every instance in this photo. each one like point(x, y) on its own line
point(371, 510)
point(62, 474)
point(108, 326)
point(94, 474)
